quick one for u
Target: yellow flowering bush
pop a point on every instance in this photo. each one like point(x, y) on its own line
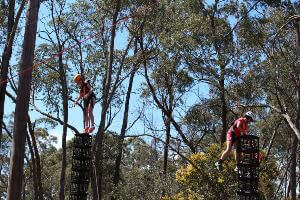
point(199, 179)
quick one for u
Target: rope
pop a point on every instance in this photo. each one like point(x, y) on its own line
point(126, 18)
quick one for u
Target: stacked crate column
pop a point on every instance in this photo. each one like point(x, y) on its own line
point(81, 161)
point(248, 167)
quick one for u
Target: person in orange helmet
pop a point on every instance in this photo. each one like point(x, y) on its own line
point(238, 128)
point(89, 100)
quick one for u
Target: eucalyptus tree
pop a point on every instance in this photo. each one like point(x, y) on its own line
point(200, 121)
point(142, 170)
point(272, 37)
point(122, 14)
point(5, 153)
point(121, 138)
point(55, 40)
point(22, 103)
point(10, 21)
point(203, 36)
point(167, 79)
point(168, 83)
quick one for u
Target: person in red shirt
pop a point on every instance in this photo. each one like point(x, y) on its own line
point(89, 100)
point(239, 128)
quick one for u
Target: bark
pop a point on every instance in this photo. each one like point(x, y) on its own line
point(22, 103)
point(64, 96)
point(33, 171)
point(224, 105)
point(166, 145)
point(6, 56)
point(98, 146)
point(272, 140)
point(167, 120)
point(56, 119)
point(65, 127)
point(221, 80)
point(121, 138)
point(37, 162)
point(5, 61)
point(293, 177)
point(293, 174)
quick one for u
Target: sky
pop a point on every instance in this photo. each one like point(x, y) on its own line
point(75, 115)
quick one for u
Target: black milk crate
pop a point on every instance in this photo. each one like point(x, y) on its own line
point(248, 167)
point(249, 144)
point(78, 196)
point(81, 163)
point(248, 172)
point(249, 159)
point(82, 140)
point(81, 154)
point(79, 188)
point(80, 176)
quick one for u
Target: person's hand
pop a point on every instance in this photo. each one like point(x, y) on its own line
point(85, 96)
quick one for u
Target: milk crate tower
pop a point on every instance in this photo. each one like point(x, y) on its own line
point(248, 168)
point(81, 164)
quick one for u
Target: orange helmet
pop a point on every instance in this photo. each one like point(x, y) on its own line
point(78, 78)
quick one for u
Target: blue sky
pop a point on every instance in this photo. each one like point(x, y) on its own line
point(75, 115)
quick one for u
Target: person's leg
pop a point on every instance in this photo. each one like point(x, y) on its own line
point(86, 120)
point(85, 117)
point(91, 114)
point(224, 155)
point(227, 150)
point(236, 153)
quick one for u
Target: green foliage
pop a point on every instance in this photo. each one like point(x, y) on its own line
point(268, 172)
point(197, 182)
point(188, 44)
point(197, 178)
point(142, 170)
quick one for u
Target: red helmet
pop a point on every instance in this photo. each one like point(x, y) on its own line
point(78, 78)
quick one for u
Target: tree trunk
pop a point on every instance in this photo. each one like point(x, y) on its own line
point(21, 111)
point(116, 178)
point(167, 121)
point(5, 60)
point(222, 75)
point(64, 97)
point(64, 94)
point(11, 31)
point(224, 105)
point(293, 177)
point(34, 176)
point(98, 146)
point(166, 145)
point(37, 162)
point(293, 174)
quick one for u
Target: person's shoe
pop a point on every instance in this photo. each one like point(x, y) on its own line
point(91, 129)
point(219, 165)
point(236, 169)
point(86, 130)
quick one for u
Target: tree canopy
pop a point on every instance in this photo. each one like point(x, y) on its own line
point(169, 78)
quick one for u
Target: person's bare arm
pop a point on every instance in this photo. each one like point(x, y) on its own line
point(79, 97)
point(90, 92)
point(239, 126)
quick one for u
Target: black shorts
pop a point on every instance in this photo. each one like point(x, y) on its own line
point(91, 100)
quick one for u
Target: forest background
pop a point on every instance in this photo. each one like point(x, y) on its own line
point(169, 76)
